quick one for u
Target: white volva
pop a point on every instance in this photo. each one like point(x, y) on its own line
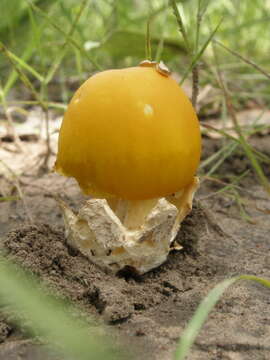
point(116, 233)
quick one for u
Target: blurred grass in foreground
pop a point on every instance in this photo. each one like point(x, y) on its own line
point(55, 322)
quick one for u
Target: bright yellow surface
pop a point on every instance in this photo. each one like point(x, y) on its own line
point(131, 133)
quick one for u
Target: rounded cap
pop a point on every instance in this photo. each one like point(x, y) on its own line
point(130, 133)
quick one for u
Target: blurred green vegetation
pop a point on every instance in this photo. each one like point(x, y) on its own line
point(55, 321)
point(111, 34)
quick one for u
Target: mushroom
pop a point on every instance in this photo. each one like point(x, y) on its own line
point(131, 139)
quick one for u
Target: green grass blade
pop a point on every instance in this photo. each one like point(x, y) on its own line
point(180, 23)
point(21, 75)
point(200, 53)
point(148, 52)
point(215, 156)
point(261, 281)
point(63, 52)
point(198, 25)
point(67, 37)
point(224, 155)
point(13, 76)
point(9, 198)
point(21, 62)
point(244, 59)
point(242, 139)
point(49, 318)
point(203, 310)
point(32, 44)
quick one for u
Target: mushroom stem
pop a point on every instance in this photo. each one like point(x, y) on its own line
point(132, 214)
point(115, 233)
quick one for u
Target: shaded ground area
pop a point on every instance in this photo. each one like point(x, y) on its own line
point(149, 313)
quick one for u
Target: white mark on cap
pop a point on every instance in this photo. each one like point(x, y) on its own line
point(148, 110)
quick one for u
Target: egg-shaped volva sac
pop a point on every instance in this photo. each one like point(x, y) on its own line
point(130, 133)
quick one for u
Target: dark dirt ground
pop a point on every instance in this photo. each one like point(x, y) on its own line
point(149, 313)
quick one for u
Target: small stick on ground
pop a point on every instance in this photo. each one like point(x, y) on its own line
point(20, 192)
point(10, 125)
point(195, 71)
point(48, 153)
point(195, 85)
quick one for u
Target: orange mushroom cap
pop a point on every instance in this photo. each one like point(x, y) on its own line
point(130, 133)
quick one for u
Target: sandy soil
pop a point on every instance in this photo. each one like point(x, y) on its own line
point(148, 313)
